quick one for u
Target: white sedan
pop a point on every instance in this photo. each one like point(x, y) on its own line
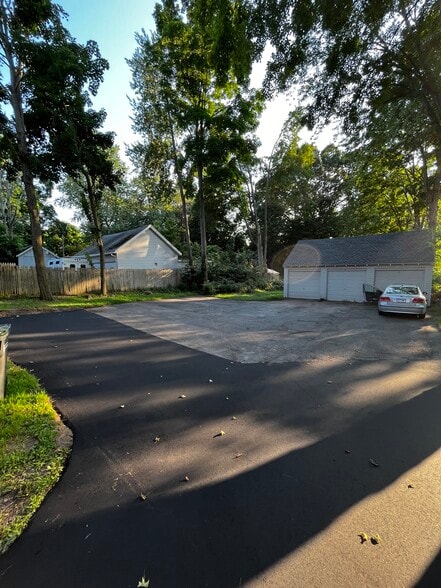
point(403, 299)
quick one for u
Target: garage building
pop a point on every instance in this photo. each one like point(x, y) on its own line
point(337, 268)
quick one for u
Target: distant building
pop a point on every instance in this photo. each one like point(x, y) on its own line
point(26, 257)
point(336, 269)
point(141, 248)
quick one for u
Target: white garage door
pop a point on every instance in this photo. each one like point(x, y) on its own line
point(346, 285)
point(304, 284)
point(399, 276)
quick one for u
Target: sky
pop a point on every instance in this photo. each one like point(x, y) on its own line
point(113, 24)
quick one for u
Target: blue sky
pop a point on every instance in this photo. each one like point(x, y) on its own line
point(112, 24)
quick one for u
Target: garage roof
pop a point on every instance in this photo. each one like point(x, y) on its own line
point(413, 247)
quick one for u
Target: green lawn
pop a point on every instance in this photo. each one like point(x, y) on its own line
point(33, 451)
point(257, 295)
point(10, 305)
point(17, 305)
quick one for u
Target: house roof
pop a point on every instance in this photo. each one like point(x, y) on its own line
point(414, 247)
point(30, 247)
point(116, 240)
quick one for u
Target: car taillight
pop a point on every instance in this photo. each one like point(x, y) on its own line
point(384, 298)
point(418, 299)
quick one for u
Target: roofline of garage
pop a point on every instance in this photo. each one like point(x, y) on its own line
point(419, 264)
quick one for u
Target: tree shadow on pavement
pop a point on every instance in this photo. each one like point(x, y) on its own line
point(225, 534)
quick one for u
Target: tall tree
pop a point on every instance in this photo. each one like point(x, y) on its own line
point(92, 170)
point(304, 189)
point(210, 117)
point(356, 60)
point(63, 238)
point(49, 77)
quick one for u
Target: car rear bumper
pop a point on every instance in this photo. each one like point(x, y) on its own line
point(402, 308)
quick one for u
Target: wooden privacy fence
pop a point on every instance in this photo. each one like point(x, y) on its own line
point(22, 281)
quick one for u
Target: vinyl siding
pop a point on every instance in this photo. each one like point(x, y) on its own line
point(147, 251)
point(28, 260)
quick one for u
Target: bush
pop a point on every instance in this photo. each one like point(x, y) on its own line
point(234, 272)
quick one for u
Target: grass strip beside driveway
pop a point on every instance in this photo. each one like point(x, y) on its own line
point(34, 445)
point(11, 306)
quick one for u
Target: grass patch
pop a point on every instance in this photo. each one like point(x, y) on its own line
point(9, 306)
point(31, 455)
point(17, 305)
point(258, 295)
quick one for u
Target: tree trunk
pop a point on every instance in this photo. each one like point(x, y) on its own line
point(265, 219)
point(37, 236)
point(434, 196)
point(97, 230)
point(255, 219)
point(100, 244)
point(181, 191)
point(28, 180)
point(202, 226)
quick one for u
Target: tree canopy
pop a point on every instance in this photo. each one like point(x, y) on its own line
point(355, 61)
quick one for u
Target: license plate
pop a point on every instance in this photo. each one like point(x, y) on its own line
point(400, 300)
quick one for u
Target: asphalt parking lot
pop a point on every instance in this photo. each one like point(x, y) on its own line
point(255, 452)
point(283, 331)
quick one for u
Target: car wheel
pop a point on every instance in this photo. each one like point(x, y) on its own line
point(380, 312)
point(421, 316)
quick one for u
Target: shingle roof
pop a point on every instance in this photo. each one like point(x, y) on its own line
point(111, 242)
point(414, 247)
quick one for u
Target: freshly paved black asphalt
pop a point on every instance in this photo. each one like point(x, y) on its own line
point(93, 530)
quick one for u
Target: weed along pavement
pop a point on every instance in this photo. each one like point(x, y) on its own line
point(222, 444)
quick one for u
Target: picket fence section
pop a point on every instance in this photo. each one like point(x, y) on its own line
point(16, 281)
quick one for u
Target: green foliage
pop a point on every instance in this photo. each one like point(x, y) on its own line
point(190, 109)
point(63, 238)
point(11, 246)
point(31, 461)
point(305, 189)
point(228, 271)
point(360, 61)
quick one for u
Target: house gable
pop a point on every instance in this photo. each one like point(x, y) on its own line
point(26, 257)
point(140, 248)
point(148, 249)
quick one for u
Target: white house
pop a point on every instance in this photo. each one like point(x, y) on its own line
point(336, 269)
point(26, 257)
point(140, 248)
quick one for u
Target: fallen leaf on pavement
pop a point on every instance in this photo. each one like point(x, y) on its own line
point(374, 463)
point(375, 539)
point(238, 455)
point(156, 439)
point(220, 434)
point(182, 396)
point(363, 537)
